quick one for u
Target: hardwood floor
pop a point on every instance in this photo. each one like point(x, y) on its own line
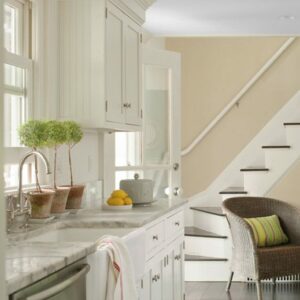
point(241, 291)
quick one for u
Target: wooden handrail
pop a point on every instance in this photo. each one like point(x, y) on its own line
point(238, 97)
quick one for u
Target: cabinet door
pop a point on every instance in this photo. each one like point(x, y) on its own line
point(156, 281)
point(178, 272)
point(144, 289)
point(114, 64)
point(167, 277)
point(133, 72)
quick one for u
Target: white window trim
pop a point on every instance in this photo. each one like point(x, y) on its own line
point(20, 59)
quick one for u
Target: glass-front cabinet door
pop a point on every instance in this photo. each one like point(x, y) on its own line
point(154, 153)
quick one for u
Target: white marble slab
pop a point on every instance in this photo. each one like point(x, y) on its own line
point(27, 262)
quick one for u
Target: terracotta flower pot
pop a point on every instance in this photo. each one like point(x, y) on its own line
point(75, 197)
point(40, 203)
point(60, 200)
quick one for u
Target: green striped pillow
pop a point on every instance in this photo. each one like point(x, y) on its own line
point(267, 231)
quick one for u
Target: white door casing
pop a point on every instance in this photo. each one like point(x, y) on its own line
point(170, 61)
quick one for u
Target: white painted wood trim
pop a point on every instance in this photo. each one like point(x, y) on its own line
point(2, 207)
point(239, 96)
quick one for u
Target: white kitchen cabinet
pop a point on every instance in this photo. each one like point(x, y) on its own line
point(168, 278)
point(99, 64)
point(133, 72)
point(123, 68)
point(144, 287)
point(178, 272)
point(165, 258)
point(156, 281)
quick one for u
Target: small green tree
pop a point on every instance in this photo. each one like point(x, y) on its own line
point(56, 136)
point(33, 135)
point(74, 135)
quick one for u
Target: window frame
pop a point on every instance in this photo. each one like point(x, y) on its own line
point(20, 59)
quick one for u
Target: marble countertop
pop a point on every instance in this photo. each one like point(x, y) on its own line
point(27, 262)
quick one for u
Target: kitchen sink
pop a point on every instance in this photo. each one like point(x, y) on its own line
point(80, 234)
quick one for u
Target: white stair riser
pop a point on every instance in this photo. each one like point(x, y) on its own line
point(292, 136)
point(210, 222)
point(280, 159)
point(206, 246)
point(206, 271)
point(257, 182)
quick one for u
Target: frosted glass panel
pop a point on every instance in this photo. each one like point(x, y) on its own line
point(161, 182)
point(156, 106)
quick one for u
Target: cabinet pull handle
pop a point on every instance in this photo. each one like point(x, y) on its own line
point(177, 223)
point(155, 237)
point(154, 278)
point(177, 257)
point(127, 105)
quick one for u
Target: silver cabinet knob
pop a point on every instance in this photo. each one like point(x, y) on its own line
point(177, 191)
point(155, 237)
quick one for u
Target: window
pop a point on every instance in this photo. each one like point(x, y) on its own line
point(17, 85)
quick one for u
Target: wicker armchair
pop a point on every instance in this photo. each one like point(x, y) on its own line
point(262, 263)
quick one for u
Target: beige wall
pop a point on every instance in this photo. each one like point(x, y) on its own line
point(288, 188)
point(213, 71)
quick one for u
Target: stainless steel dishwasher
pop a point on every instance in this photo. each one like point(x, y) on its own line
point(68, 283)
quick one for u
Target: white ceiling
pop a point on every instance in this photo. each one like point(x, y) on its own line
point(223, 17)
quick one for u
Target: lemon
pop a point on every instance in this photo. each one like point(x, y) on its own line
point(115, 201)
point(128, 201)
point(119, 194)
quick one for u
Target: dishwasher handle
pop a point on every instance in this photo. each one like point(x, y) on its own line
point(56, 289)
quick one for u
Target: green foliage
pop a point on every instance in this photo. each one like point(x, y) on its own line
point(56, 133)
point(73, 131)
point(33, 134)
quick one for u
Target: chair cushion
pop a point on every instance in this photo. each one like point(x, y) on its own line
point(267, 231)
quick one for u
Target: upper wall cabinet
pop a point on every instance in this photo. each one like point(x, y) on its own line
point(123, 68)
point(100, 62)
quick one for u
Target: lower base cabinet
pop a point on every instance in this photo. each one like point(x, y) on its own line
point(164, 279)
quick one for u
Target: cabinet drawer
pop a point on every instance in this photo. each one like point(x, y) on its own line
point(174, 225)
point(155, 236)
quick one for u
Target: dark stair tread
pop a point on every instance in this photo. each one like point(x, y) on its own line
point(276, 147)
point(233, 190)
point(190, 257)
point(255, 169)
point(210, 210)
point(197, 232)
point(291, 123)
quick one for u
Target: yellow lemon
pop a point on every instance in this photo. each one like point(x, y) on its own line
point(128, 201)
point(119, 194)
point(115, 201)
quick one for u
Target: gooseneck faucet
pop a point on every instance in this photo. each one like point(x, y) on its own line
point(47, 165)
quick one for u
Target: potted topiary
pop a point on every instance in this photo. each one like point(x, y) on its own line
point(74, 135)
point(33, 135)
point(56, 136)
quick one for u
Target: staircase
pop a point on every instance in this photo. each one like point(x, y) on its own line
point(253, 173)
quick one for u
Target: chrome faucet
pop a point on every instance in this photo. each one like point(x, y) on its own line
point(47, 165)
point(19, 214)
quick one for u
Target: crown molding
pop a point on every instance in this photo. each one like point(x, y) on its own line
point(134, 8)
point(145, 4)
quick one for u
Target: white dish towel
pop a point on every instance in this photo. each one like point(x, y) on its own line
point(121, 283)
